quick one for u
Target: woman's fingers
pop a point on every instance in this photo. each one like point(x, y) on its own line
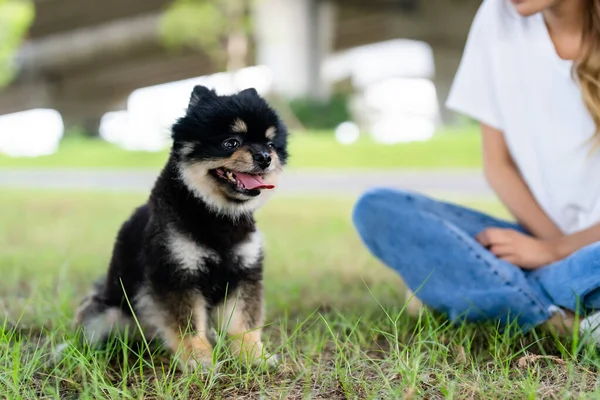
point(502, 250)
point(499, 242)
point(493, 236)
point(485, 237)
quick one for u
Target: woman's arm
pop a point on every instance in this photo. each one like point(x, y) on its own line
point(548, 243)
point(504, 178)
point(569, 244)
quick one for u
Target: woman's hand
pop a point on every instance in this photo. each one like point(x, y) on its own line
point(517, 248)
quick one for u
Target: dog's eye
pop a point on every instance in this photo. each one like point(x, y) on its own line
point(271, 145)
point(231, 144)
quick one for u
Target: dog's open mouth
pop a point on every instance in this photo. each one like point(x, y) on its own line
point(241, 181)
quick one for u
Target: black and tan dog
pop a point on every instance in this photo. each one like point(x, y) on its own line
point(191, 257)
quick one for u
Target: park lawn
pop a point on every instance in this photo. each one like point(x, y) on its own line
point(335, 315)
point(448, 149)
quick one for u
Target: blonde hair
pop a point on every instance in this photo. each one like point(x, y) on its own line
point(587, 69)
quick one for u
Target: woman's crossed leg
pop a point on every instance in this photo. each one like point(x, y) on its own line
point(431, 244)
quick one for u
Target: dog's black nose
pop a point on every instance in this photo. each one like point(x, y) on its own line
point(263, 159)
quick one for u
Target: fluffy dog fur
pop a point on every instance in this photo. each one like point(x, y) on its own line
point(191, 257)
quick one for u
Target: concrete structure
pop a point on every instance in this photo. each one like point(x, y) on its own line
point(84, 58)
point(293, 37)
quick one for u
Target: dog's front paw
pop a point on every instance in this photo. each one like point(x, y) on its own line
point(196, 366)
point(268, 361)
point(274, 361)
point(57, 354)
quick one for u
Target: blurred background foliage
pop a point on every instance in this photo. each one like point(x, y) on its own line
point(16, 16)
point(321, 114)
point(220, 28)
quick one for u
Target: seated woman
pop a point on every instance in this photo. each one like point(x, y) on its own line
point(530, 75)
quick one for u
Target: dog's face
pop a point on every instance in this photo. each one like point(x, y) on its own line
point(230, 150)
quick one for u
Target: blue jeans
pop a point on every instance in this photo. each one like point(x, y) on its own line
point(431, 245)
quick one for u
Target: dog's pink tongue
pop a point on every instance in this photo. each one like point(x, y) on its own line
point(252, 181)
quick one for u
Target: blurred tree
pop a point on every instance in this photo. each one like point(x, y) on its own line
point(15, 18)
point(218, 27)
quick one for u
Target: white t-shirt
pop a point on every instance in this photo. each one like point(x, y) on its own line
point(512, 79)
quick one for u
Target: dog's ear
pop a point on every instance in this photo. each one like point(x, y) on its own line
point(249, 92)
point(199, 94)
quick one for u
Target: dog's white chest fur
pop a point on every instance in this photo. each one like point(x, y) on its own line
point(188, 254)
point(249, 251)
point(191, 256)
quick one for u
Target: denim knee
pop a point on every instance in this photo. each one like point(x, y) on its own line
point(573, 283)
point(369, 206)
point(373, 211)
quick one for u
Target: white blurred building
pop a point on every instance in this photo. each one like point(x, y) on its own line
point(396, 99)
point(31, 133)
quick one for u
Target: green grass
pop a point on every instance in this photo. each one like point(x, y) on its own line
point(448, 149)
point(335, 315)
